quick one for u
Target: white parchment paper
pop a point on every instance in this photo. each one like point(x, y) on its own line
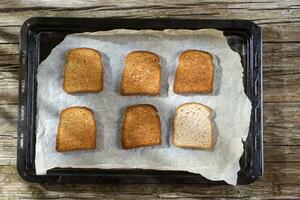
point(229, 102)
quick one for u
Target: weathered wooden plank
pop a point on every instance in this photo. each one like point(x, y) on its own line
point(282, 134)
point(19, 18)
point(283, 92)
point(281, 181)
point(8, 84)
point(114, 4)
point(9, 34)
point(282, 113)
point(281, 56)
point(6, 60)
point(262, 13)
point(281, 32)
point(8, 128)
point(94, 3)
point(281, 72)
point(9, 66)
point(281, 154)
point(9, 49)
point(8, 122)
point(281, 123)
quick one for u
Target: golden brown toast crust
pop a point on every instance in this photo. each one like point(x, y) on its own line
point(142, 74)
point(76, 130)
point(210, 145)
point(141, 127)
point(195, 73)
point(84, 71)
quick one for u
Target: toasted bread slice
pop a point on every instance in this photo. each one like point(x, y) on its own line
point(141, 127)
point(195, 73)
point(141, 74)
point(83, 71)
point(76, 130)
point(193, 126)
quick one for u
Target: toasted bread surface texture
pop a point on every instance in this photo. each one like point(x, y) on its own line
point(141, 127)
point(193, 126)
point(142, 74)
point(194, 73)
point(83, 71)
point(76, 130)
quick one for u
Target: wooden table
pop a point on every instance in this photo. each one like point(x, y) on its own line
point(280, 22)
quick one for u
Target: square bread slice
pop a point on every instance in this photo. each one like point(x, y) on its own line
point(195, 73)
point(76, 130)
point(141, 127)
point(141, 75)
point(83, 71)
point(193, 126)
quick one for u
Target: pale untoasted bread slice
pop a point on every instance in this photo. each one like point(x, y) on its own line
point(76, 130)
point(141, 127)
point(193, 126)
point(83, 71)
point(195, 73)
point(141, 75)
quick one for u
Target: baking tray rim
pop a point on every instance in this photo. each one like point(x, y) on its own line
point(31, 23)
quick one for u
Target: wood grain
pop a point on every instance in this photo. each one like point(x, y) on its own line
point(279, 182)
point(280, 22)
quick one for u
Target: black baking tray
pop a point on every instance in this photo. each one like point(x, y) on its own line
point(40, 35)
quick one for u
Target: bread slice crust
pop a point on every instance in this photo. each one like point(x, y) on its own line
point(141, 75)
point(194, 73)
point(76, 130)
point(84, 71)
point(141, 127)
point(194, 144)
